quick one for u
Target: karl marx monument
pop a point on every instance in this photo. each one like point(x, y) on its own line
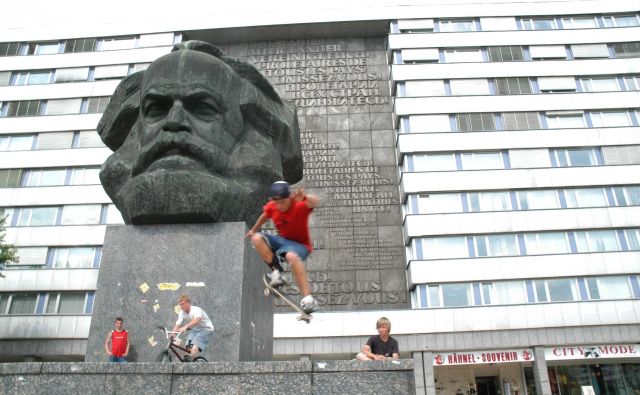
point(197, 138)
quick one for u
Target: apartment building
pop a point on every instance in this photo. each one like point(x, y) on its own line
point(508, 139)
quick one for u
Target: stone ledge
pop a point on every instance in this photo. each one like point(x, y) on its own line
point(20, 368)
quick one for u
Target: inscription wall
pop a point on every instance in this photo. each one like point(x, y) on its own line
point(341, 90)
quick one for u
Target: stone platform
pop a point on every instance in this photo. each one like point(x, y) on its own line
point(309, 377)
point(145, 268)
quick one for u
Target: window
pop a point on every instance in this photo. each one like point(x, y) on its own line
point(89, 139)
point(54, 140)
point(597, 241)
point(434, 162)
point(31, 256)
point(63, 106)
point(22, 303)
point(439, 203)
point(633, 237)
point(113, 215)
point(72, 74)
point(42, 48)
point(627, 50)
point(88, 176)
point(10, 178)
point(538, 199)
point(110, 72)
point(456, 295)
point(415, 25)
point(457, 25)
point(16, 143)
point(510, 292)
point(632, 83)
point(541, 52)
point(506, 54)
point(497, 245)
point(154, 40)
point(88, 214)
point(482, 160)
point(66, 303)
point(579, 23)
point(5, 79)
point(513, 86)
point(80, 45)
point(31, 78)
point(631, 196)
point(97, 104)
point(538, 24)
point(9, 49)
point(575, 157)
point(43, 178)
point(429, 123)
point(557, 290)
point(469, 87)
point(74, 257)
point(425, 88)
point(547, 243)
point(475, 122)
point(114, 43)
point(614, 287)
point(418, 55)
point(463, 55)
point(610, 119)
point(25, 108)
point(444, 247)
point(587, 197)
point(561, 119)
point(490, 201)
point(37, 216)
point(556, 84)
point(582, 51)
point(603, 84)
point(621, 20)
point(521, 121)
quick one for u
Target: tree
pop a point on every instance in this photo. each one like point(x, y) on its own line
point(8, 252)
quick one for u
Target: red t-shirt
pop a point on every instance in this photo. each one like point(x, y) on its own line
point(293, 224)
point(119, 342)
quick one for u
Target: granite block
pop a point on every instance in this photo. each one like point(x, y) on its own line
point(134, 384)
point(20, 368)
point(20, 384)
point(64, 384)
point(364, 383)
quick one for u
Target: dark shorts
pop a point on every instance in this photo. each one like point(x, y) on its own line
point(281, 245)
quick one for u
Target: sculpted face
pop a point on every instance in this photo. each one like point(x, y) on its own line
point(191, 155)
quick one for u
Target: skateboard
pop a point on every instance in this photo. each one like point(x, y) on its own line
point(268, 289)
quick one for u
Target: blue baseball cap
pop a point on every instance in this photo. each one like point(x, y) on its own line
point(279, 190)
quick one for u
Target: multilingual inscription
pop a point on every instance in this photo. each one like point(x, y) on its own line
point(359, 194)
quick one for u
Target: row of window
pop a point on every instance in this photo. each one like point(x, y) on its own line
point(88, 44)
point(76, 74)
point(515, 23)
point(51, 140)
point(487, 160)
point(517, 53)
point(29, 303)
point(30, 108)
point(81, 214)
point(486, 121)
point(12, 178)
point(534, 199)
point(524, 244)
point(526, 291)
point(516, 86)
point(58, 257)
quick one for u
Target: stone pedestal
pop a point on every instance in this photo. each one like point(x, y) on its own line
point(144, 269)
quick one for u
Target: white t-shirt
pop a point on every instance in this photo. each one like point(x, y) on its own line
point(195, 311)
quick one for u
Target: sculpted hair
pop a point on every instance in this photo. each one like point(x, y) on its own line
point(383, 321)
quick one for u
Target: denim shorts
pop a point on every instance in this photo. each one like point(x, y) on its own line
point(281, 245)
point(200, 337)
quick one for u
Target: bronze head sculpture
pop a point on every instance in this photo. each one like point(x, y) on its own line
point(197, 137)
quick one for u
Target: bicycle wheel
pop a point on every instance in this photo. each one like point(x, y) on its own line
point(164, 357)
point(199, 359)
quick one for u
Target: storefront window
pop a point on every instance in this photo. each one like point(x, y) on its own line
point(631, 374)
point(572, 378)
point(608, 379)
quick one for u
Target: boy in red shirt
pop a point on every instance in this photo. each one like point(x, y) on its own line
point(119, 339)
point(290, 214)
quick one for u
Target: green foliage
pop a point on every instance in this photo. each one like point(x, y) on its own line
point(7, 251)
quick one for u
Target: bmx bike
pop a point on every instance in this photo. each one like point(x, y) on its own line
point(175, 351)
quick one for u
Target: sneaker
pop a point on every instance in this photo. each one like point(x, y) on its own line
point(276, 280)
point(308, 304)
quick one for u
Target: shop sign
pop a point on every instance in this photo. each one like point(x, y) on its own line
point(589, 352)
point(479, 357)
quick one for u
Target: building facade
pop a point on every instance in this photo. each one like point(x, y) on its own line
point(478, 164)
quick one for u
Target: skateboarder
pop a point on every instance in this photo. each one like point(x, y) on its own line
point(290, 214)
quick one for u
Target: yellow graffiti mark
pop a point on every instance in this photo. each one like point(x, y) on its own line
point(168, 286)
point(152, 341)
point(144, 287)
point(156, 307)
point(177, 309)
point(199, 284)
